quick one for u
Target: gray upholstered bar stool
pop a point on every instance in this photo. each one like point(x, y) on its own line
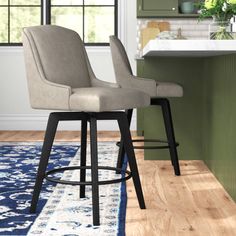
point(60, 78)
point(159, 92)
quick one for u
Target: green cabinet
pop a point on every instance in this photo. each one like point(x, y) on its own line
point(152, 8)
point(161, 8)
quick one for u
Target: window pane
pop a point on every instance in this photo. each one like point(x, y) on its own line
point(22, 17)
point(66, 2)
point(68, 17)
point(99, 24)
point(3, 2)
point(25, 2)
point(3, 25)
point(99, 2)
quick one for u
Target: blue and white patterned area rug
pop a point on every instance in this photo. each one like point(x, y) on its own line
point(60, 210)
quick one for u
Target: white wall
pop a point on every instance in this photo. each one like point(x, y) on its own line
point(15, 111)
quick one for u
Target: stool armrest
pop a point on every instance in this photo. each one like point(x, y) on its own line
point(48, 95)
point(148, 86)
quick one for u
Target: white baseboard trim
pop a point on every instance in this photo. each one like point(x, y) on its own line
point(39, 122)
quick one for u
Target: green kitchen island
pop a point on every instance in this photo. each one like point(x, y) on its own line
point(205, 118)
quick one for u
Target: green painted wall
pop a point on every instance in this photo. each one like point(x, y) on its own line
point(204, 119)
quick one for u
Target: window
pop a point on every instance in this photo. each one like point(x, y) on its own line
point(16, 14)
point(94, 20)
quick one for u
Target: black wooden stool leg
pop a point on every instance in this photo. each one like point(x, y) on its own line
point(46, 149)
point(83, 156)
point(129, 149)
point(166, 111)
point(121, 154)
point(94, 170)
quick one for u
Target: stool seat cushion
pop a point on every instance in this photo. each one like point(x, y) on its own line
point(99, 99)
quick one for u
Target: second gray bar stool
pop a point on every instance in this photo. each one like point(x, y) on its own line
point(159, 92)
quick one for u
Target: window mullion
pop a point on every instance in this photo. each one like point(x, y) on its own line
point(48, 12)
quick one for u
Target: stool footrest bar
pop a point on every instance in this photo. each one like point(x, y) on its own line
point(72, 182)
point(150, 141)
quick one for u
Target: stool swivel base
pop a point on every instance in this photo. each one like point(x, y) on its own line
point(171, 144)
point(92, 118)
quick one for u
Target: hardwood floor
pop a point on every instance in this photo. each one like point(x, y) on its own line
point(192, 204)
point(34, 136)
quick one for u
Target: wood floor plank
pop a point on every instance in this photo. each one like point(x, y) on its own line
point(193, 204)
point(61, 136)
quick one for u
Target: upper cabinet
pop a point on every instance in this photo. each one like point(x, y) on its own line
point(152, 8)
point(160, 8)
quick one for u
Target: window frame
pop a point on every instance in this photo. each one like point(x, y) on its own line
point(8, 6)
point(45, 14)
point(48, 18)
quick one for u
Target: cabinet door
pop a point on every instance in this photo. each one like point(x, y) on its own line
point(152, 8)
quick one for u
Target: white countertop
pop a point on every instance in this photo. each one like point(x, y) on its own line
point(189, 48)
